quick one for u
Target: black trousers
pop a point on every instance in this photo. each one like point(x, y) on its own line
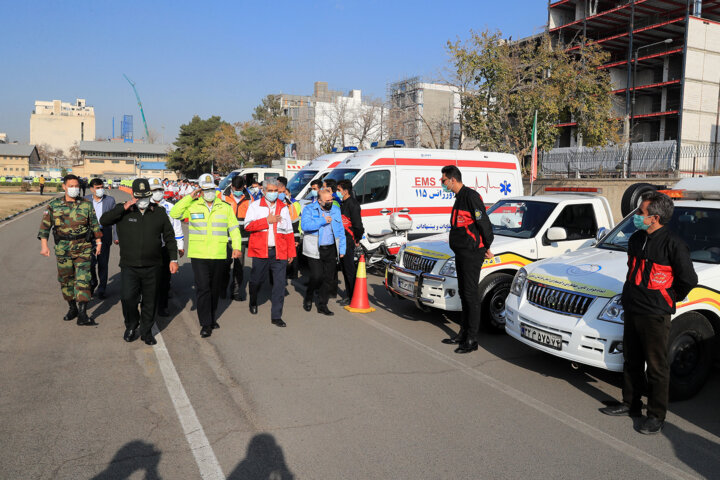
point(137, 281)
point(209, 275)
point(164, 283)
point(468, 264)
point(42, 188)
point(349, 268)
point(323, 274)
point(99, 265)
point(645, 340)
point(261, 269)
point(234, 272)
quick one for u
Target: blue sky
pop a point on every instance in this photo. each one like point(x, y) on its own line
point(220, 58)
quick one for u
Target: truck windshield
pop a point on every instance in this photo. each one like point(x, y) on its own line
point(343, 174)
point(299, 180)
point(226, 181)
point(519, 219)
point(697, 227)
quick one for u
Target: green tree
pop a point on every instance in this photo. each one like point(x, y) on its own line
point(223, 149)
point(511, 80)
point(274, 129)
point(190, 155)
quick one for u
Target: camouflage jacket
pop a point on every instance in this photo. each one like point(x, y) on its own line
point(69, 219)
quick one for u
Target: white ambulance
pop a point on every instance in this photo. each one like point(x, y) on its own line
point(407, 180)
point(318, 168)
point(570, 306)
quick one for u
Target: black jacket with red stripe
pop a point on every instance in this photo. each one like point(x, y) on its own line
point(470, 227)
point(660, 273)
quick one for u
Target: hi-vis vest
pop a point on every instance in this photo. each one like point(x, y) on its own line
point(208, 229)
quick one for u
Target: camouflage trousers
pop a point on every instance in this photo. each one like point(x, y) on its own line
point(73, 263)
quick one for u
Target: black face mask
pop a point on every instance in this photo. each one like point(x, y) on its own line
point(327, 206)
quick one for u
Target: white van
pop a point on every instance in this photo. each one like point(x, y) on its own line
point(318, 168)
point(407, 180)
point(251, 174)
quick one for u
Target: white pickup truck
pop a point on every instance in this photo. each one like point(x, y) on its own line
point(526, 229)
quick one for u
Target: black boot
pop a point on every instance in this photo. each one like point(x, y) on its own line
point(72, 311)
point(82, 318)
point(253, 298)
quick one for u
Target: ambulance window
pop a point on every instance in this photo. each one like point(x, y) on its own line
point(578, 221)
point(271, 175)
point(372, 187)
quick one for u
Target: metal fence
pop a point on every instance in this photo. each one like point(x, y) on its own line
point(647, 159)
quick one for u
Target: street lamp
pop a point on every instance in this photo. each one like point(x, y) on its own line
point(632, 104)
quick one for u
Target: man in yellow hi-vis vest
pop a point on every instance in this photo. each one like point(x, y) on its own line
point(210, 222)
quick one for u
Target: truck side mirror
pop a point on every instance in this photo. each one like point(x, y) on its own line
point(556, 234)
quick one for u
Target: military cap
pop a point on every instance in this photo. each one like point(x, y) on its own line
point(156, 184)
point(206, 181)
point(141, 188)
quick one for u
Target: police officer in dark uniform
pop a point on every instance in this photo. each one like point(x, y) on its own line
point(470, 239)
point(140, 227)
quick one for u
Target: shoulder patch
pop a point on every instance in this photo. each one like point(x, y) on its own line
point(478, 214)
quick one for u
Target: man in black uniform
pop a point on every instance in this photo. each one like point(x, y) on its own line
point(140, 227)
point(470, 239)
point(352, 223)
point(660, 274)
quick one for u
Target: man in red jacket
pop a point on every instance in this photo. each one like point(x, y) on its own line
point(271, 246)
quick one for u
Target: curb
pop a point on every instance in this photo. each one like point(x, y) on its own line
point(27, 209)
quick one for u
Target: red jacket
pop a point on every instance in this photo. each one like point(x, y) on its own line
point(256, 225)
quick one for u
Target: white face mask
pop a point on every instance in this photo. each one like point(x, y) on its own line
point(99, 192)
point(158, 195)
point(73, 192)
point(209, 195)
point(143, 203)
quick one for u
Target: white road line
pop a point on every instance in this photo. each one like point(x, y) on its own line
point(572, 422)
point(199, 445)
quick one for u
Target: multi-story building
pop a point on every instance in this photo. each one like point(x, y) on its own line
point(328, 119)
point(424, 114)
point(123, 160)
point(664, 66)
point(16, 160)
point(61, 125)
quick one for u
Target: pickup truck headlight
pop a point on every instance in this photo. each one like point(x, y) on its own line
point(518, 282)
point(613, 311)
point(449, 268)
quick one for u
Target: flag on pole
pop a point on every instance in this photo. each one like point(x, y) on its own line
point(533, 168)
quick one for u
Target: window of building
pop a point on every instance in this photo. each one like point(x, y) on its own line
point(115, 161)
point(97, 161)
point(578, 221)
point(130, 162)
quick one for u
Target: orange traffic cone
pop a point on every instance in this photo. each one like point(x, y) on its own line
point(360, 303)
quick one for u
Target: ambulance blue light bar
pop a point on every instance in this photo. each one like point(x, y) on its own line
point(395, 143)
point(334, 150)
point(374, 144)
point(350, 149)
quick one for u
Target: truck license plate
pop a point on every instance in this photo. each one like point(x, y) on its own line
point(540, 336)
point(405, 286)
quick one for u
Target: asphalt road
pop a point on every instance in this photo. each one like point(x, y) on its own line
point(349, 396)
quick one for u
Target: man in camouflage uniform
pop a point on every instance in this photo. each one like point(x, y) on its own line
point(75, 228)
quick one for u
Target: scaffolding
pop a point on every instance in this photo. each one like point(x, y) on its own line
point(405, 112)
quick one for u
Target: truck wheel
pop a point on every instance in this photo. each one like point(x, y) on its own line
point(631, 198)
point(690, 354)
point(493, 292)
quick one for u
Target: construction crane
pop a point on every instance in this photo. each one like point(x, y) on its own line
point(142, 113)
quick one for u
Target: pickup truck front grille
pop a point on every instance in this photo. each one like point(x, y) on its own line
point(557, 300)
point(416, 262)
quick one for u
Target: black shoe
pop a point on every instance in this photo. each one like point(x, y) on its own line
point(82, 316)
point(253, 309)
point(129, 335)
point(307, 305)
point(344, 302)
point(163, 312)
point(621, 410)
point(651, 425)
point(101, 294)
point(238, 297)
point(72, 311)
point(466, 347)
point(456, 339)
point(206, 331)
point(149, 339)
point(325, 311)
point(278, 322)
point(215, 325)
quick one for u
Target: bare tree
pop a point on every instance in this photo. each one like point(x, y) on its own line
point(368, 123)
point(438, 131)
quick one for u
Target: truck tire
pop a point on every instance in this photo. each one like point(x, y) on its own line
point(493, 292)
point(690, 354)
point(631, 198)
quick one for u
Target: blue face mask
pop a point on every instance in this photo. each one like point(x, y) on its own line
point(639, 222)
point(314, 193)
point(237, 194)
point(281, 197)
point(271, 196)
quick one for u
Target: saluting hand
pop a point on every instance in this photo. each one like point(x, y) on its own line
point(196, 193)
point(173, 267)
point(130, 203)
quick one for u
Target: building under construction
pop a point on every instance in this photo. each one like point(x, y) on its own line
point(665, 69)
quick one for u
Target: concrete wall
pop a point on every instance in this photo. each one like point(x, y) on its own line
point(14, 166)
point(61, 131)
point(612, 189)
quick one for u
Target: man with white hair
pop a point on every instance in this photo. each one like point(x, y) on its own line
point(271, 246)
